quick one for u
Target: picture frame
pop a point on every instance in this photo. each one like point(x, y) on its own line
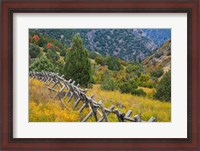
point(190, 7)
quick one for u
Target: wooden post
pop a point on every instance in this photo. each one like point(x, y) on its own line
point(76, 103)
point(71, 91)
point(103, 111)
point(128, 113)
point(53, 85)
point(120, 115)
point(137, 118)
point(87, 116)
point(94, 109)
point(49, 82)
point(99, 113)
point(82, 107)
point(59, 92)
point(152, 119)
point(71, 95)
point(107, 112)
point(68, 88)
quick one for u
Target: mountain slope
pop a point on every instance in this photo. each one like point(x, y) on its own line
point(127, 44)
point(157, 35)
point(161, 58)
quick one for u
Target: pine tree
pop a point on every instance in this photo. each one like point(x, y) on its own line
point(77, 66)
point(163, 91)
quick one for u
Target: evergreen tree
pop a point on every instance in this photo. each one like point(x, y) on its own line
point(77, 66)
point(163, 91)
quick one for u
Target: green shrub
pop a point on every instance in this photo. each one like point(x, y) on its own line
point(138, 92)
point(92, 80)
point(45, 49)
point(62, 52)
point(42, 64)
point(40, 44)
point(132, 68)
point(157, 73)
point(127, 86)
point(58, 44)
point(158, 54)
point(113, 63)
point(34, 50)
point(163, 90)
point(93, 54)
point(52, 55)
point(147, 84)
point(100, 60)
point(108, 84)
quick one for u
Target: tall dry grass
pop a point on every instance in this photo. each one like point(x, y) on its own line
point(142, 106)
point(43, 108)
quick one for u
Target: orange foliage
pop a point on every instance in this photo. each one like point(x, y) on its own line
point(49, 45)
point(36, 38)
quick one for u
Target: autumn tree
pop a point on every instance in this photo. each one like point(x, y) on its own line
point(78, 66)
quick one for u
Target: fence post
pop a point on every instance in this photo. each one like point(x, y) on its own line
point(103, 111)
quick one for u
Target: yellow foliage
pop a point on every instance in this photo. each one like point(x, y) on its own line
point(44, 108)
point(142, 106)
point(149, 91)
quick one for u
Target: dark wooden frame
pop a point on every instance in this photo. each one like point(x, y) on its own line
point(191, 7)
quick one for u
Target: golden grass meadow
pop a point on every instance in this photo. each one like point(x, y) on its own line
point(43, 108)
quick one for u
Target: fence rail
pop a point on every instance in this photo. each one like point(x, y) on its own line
point(71, 90)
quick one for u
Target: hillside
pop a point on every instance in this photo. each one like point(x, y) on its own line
point(50, 54)
point(144, 87)
point(160, 58)
point(127, 44)
point(157, 35)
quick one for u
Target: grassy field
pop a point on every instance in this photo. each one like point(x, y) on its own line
point(43, 108)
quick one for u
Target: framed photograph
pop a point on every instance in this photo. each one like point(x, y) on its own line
point(100, 75)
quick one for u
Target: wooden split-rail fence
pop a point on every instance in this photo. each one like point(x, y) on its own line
point(69, 89)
